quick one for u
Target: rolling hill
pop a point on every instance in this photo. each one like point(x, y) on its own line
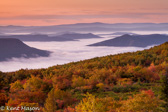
point(63, 37)
point(134, 41)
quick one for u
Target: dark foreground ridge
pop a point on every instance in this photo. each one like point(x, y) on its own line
point(10, 48)
point(134, 40)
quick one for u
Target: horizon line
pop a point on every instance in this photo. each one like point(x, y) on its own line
point(86, 23)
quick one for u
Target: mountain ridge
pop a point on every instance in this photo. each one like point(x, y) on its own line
point(43, 37)
point(134, 40)
point(14, 48)
point(86, 27)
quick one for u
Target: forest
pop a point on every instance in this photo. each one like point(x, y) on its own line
point(126, 82)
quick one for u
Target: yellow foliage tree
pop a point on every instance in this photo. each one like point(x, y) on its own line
point(16, 86)
point(78, 81)
point(57, 99)
point(100, 86)
point(33, 84)
point(50, 104)
point(143, 102)
point(89, 104)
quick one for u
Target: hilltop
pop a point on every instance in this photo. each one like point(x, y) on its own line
point(46, 38)
point(14, 48)
point(134, 40)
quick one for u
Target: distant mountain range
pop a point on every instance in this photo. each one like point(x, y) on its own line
point(63, 37)
point(116, 34)
point(119, 33)
point(87, 27)
point(134, 40)
point(10, 48)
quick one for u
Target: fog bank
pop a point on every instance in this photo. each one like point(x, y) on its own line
point(63, 52)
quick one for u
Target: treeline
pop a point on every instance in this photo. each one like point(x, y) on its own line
point(115, 83)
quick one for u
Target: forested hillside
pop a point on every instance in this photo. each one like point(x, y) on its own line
point(128, 82)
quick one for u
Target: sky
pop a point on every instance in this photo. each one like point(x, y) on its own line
point(55, 12)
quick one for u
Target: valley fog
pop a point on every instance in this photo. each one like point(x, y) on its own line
point(63, 52)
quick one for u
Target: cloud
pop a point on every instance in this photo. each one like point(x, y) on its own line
point(83, 16)
point(102, 16)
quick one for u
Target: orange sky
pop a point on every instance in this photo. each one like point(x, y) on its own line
point(52, 12)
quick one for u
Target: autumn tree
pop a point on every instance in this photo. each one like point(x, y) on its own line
point(59, 99)
point(50, 104)
point(16, 86)
point(164, 89)
point(89, 104)
point(37, 84)
point(143, 102)
point(26, 96)
point(78, 81)
point(69, 109)
point(61, 81)
point(3, 99)
point(2, 82)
